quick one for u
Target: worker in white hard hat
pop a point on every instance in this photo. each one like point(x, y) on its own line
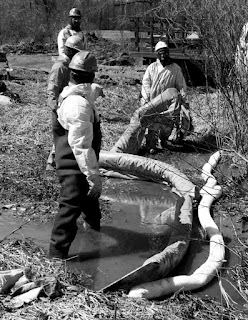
point(73, 28)
point(77, 137)
point(159, 76)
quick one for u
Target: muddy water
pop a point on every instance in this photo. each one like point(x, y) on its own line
point(198, 253)
point(138, 226)
point(142, 215)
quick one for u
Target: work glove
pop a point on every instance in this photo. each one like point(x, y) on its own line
point(95, 186)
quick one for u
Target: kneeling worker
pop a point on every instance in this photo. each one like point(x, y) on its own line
point(159, 76)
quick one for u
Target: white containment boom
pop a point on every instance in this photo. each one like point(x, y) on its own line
point(160, 264)
point(207, 271)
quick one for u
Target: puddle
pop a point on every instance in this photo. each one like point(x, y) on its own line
point(198, 253)
point(132, 233)
point(139, 225)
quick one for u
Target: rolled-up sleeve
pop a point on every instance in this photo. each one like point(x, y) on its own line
point(78, 122)
point(61, 41)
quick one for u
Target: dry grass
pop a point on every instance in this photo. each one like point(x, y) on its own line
point(116, 109)
point(84, 303)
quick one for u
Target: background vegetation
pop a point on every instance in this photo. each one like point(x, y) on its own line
point(218, 22)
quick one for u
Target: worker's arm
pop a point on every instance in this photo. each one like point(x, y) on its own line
point(80, 139)
point(146, 85)
point(78, 122)
point(181, 85)
point(63, 35)
point(54, 87)
point(243, 42)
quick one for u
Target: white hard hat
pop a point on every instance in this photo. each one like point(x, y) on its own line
point(75, 12)
point(160, 45)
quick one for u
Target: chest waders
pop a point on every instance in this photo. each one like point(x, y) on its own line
point(73, 199)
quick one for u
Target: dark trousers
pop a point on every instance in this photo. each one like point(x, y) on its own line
point(73, 201)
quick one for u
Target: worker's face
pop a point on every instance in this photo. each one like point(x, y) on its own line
point(164, 56)
point(75, 22)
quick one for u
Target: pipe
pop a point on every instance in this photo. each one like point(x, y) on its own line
point(207, 271)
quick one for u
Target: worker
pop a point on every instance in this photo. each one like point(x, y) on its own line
point(60, 73)
point(73, 28)
point(159, 76)
point(58, 78)
point(77, 137)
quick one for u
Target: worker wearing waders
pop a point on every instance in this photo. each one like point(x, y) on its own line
point(159, 76)
point(77, 138)
point(73, 28)
point(58, 78)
